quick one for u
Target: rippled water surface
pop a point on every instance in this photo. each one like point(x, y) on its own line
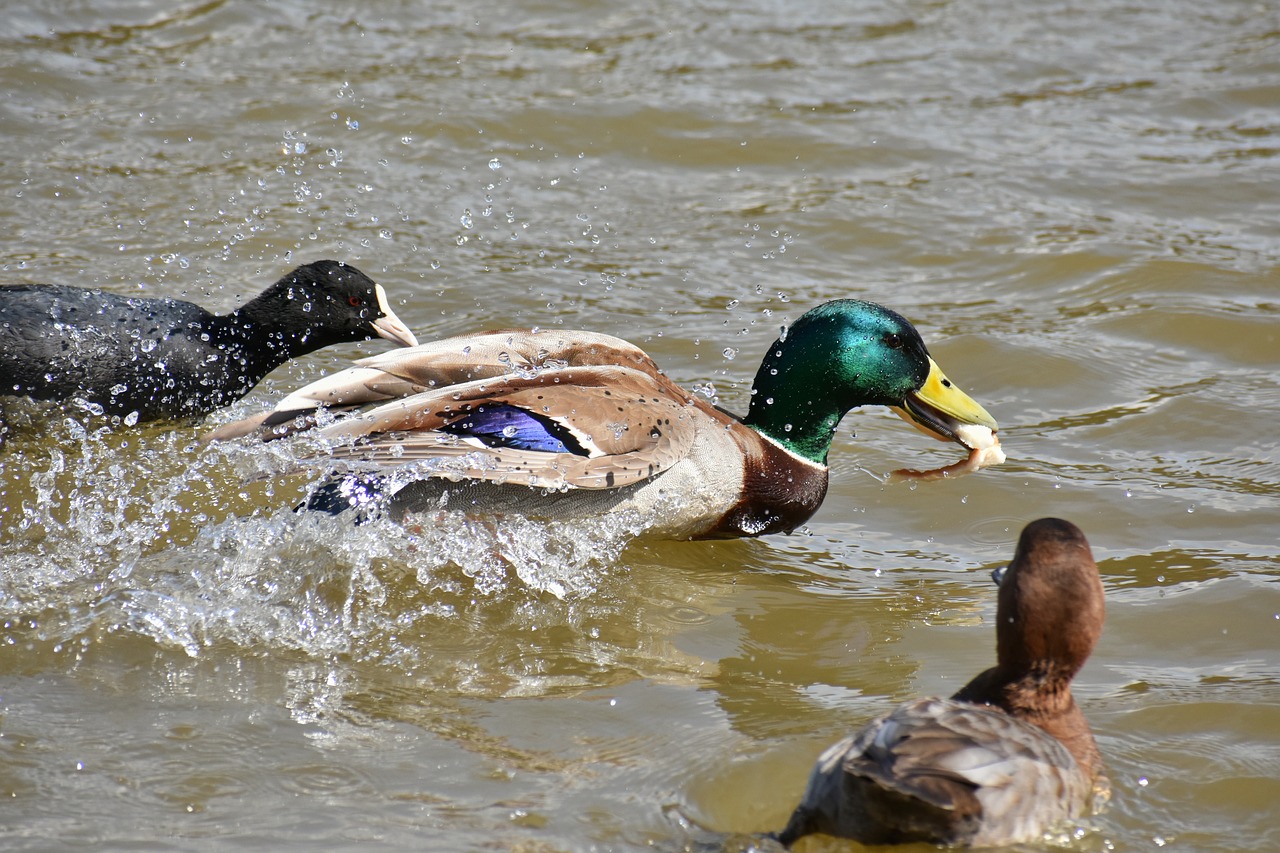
point(1076, 203)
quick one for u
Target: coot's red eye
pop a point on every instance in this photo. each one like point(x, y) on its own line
point(355, 301)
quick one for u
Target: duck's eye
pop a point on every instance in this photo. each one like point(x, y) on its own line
point(355, 301)
point(893, 341)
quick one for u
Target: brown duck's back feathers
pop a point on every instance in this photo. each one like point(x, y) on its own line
point(943, 771)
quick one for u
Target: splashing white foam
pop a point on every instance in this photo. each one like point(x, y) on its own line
point(151, 533)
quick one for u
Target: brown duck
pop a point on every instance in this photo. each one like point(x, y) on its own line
point(1007, 756)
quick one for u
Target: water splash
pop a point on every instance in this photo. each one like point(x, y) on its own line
point(151, 533)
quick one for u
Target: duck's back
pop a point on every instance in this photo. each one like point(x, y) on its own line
point(942, 771)
point(124, 353)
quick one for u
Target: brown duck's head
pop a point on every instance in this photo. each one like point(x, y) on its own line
point(1051, 608)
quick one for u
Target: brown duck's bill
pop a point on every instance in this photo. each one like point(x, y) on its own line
point(941, 410)
point(389, 325)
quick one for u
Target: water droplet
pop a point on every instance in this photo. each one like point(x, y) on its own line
point(465, 218)
point(495, 164)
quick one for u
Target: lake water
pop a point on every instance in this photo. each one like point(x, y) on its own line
point(1077, 203)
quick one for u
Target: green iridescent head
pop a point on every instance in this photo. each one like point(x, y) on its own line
point(849, 353)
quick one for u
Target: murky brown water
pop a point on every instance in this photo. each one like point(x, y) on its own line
point(1078, 205)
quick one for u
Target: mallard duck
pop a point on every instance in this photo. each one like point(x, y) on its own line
point(567, 424)
point(163, 358)
point(1006, 757)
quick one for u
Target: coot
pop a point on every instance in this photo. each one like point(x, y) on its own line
point(164, 358)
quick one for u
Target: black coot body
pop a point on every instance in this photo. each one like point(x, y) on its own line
point(164, 358)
